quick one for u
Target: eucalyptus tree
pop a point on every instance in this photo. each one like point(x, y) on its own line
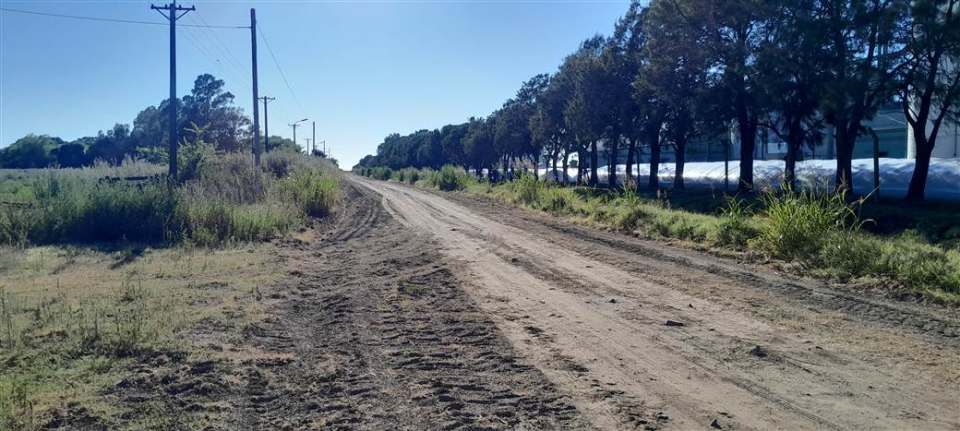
point(930, 88)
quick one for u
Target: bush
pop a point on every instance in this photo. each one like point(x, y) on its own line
point(797, 224)
point(449, 178)
point(527, 189)
point(210, 223)
point(311, 191)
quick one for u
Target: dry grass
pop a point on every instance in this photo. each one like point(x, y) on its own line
point(72, 319)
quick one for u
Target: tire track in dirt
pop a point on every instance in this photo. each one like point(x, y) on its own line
point(588, 314)
point(378, 335)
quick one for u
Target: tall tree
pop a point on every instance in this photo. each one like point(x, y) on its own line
point(862, 38)
point(678, 72)
point(210, 107)
point(930, 91)
point(738, 30)
point(790, 67)
point(585, 109)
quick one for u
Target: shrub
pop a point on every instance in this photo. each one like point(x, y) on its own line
point(310, 191)
point(527, 189)
point(449, 178)
point(797, 224)
point(228, 200)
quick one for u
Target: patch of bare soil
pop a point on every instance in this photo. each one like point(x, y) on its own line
point(369, 331)
point(645, 335)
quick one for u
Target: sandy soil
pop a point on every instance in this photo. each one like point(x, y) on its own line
point(412, 309)
point(640, 334)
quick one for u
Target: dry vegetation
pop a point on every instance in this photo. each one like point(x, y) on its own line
point(75, 319)
point(100, 275)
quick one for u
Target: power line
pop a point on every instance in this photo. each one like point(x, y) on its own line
point(280, 69)
point(228, 54)
point(197, 40)
point(116, 20)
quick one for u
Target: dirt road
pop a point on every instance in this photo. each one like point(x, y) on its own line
point(639, 334)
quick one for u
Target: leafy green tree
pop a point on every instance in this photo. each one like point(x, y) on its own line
point(478, 146)
point(70, 155)
point(29, 152)
point(112, 146)
point(210, 107)
point(930, 86)
point(585, 110)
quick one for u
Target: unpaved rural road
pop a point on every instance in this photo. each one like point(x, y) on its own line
point(588, 310)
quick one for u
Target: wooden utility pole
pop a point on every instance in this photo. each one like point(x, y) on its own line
point(266, 122)
point(314, 124)
point(256, 111)
point(171, 15)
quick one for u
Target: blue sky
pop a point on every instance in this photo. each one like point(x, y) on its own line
point(361, 70)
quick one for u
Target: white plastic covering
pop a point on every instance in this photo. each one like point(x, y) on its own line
point(943, 181)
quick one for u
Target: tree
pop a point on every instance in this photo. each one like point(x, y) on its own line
point(585, 109)
point(451, 143)
point(677, 72)
point(738, 30)
point(113, 146)
point(862, 57)
point(29, 152)
point(930, 88)
point(210, 107)
point(790, 67)
point(478, 145)
point(70, 155)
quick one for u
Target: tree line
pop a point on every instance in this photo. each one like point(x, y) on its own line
point(677, 71)
point(207, 114)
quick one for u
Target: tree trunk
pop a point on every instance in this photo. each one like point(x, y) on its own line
point(748, 142)
point(654, 182)
point(790, 164)
point(566, 163)
point(612, 163)
point(681, 153)
point(594, 160)
point(921, 167)
point(844, 177)
point(631, 157)
point(556, 155)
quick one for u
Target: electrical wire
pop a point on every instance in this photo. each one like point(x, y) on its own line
point(280, 69)
point(115, 20)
